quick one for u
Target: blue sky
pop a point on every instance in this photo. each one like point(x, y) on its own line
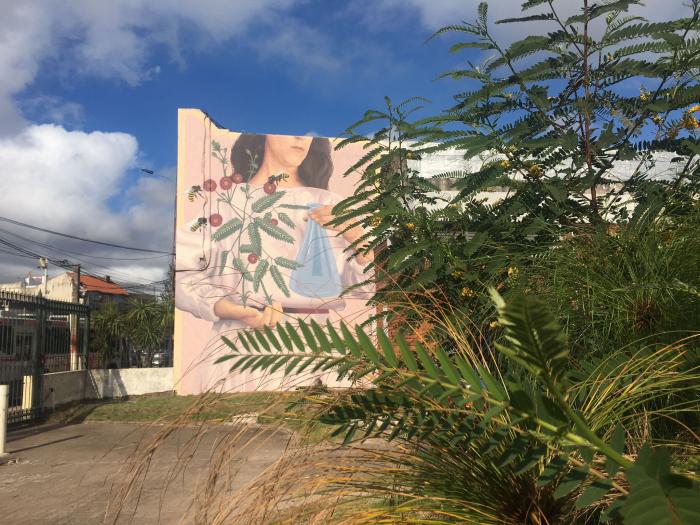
point(243, 88)
point(89, 93)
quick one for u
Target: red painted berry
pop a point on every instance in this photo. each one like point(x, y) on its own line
point(237, 178)
point(252, 258)
point(274, 221)
point(225, 183)
point(215, 219)
point(209, 185)
point(269, 187)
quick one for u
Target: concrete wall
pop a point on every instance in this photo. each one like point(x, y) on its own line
point(130, 381)
point(64, 387)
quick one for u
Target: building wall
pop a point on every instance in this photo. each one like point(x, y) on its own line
point(65, 387)
point(59, 288)
point(117, 382)
point(209, 260)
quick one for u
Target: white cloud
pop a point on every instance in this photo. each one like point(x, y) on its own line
point(113, 39)
point(74, 181)
point(67, 181)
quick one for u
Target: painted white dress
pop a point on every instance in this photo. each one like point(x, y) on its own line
point(213, 266)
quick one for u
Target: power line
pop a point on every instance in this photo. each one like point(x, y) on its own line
point(61, 263)
point(26, 253)
point(122, 275)
point(83, 239)
point(74, 253)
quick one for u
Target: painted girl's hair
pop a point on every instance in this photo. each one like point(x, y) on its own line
point(248, 153)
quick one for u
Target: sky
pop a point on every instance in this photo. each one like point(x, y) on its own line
point(89, 93)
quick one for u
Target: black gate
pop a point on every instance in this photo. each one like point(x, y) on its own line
point(38, 336)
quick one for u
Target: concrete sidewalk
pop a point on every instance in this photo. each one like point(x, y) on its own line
point(67, 474)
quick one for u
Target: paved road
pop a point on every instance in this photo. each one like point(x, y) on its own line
point(69, 474)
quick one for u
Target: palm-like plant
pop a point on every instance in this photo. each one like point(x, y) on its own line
point(551, 442)
point(139, 326)
point(109, 333)
point(148, 323)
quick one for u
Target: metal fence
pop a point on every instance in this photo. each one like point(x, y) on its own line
point(38, 336)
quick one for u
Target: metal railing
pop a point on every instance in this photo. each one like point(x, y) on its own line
point(38, 336)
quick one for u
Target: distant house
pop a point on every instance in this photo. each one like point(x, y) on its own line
point(97, 290)
point(93, 290)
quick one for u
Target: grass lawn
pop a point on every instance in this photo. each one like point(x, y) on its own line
point(287, 408)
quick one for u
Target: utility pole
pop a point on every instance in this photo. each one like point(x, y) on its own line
point(74, 364)
point(44, 265)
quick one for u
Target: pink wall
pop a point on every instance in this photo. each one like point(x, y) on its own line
point(207, 276)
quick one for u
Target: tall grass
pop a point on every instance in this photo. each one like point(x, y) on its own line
point(635, 285)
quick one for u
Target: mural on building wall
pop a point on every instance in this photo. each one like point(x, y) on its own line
point(253, 248)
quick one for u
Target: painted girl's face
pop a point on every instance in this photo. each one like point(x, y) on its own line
point(287, 151)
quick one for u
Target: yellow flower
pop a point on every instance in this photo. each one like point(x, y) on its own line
point(410, 226)
point(376, 220)
point(456, 274)
point(535, 170)
point(494, 324)
point(512, 271)
point(689, 122)
point(656, 119)
point(694, 108)
point(467, 292)
point(509, 95)
point(505, 164)
point(644, 96)
point(672, 133)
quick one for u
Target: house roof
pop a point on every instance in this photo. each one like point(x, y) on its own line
point(95, 284)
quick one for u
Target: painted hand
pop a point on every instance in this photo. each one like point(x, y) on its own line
point(252, 317)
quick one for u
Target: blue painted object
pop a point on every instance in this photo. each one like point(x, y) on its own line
point(318, 274)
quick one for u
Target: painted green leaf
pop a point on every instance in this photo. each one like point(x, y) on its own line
point(279, 280)
point(224, 257)
point(254, 236)
point(245, 248)
point(286, 219)
point(227, 229)
point(294, 206)
point(260, 272)
point(287, 263)
point(267, 201)
point(240, 266)
point(274, 231)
